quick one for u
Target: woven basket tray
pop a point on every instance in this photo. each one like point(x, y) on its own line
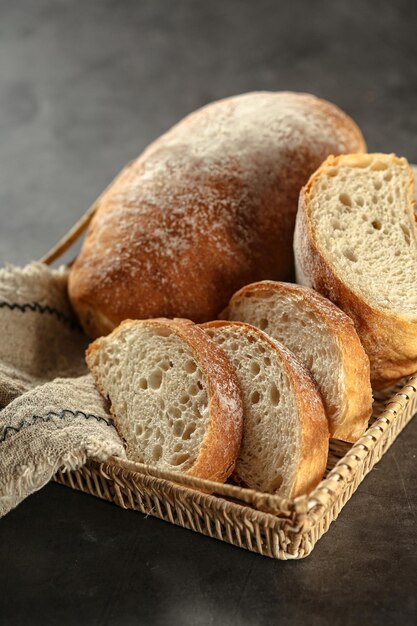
point(270, 525)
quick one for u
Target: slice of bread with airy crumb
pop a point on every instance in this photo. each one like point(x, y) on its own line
point(356, 243)
point(285, 432)
point(323, 338)
point(174, 396)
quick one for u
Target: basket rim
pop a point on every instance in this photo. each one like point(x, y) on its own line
point(305, 510)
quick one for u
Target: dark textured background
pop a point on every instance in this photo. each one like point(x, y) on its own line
point(84, 86)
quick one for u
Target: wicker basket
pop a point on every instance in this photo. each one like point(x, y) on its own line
point(270, 525)
point(273, 526)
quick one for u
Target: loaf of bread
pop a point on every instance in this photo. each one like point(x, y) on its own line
point(174, 396)
point(206, 209)
point(285, 432)
point(356, 243)
point(325, 341)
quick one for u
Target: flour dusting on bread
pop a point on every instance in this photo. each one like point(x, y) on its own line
point(207, 208)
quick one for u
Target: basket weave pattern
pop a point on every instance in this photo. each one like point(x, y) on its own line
point(267, 524)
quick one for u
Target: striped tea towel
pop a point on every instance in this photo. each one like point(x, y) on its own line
point(51, 415)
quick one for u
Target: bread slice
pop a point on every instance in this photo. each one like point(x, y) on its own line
point(324, 339)
point(174, 396)
point(356, 243)
point(285, 433)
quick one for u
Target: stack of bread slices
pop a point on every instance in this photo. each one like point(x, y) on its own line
point(255, 399)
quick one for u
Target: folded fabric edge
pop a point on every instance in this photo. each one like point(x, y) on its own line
point(33, 476)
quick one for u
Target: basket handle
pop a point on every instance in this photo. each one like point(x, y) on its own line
point(71, 236)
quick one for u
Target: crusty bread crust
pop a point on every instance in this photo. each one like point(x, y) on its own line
point(207, 208)
point(356, 405)
point(314, 445)
point(221, 444)
point(390, 341)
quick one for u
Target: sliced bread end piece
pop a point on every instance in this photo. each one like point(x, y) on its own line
point(285, 433)
point(323, 338)
point(174, 396)
point(355, 242)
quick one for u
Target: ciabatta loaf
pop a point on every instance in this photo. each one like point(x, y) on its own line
point(174, 396)
point(356, 243)
point(206, 209)
point(285, 433)
point(323, 338)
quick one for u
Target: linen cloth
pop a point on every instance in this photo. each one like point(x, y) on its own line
point(51, 415)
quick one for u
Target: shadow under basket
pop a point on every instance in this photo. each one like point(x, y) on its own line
point(263, 523)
